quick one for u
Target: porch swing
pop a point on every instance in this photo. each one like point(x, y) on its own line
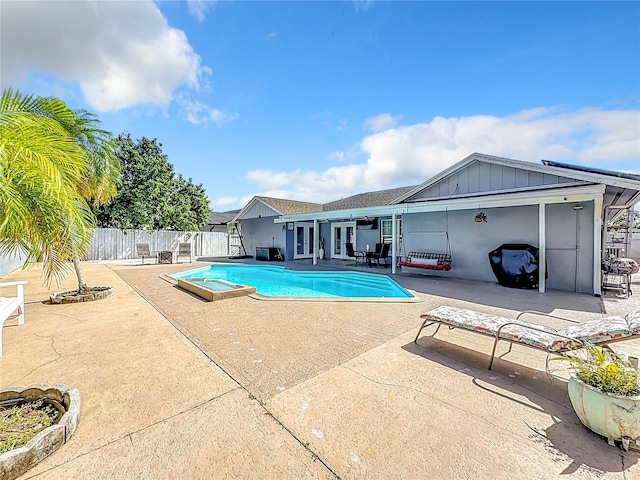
point(429, 260)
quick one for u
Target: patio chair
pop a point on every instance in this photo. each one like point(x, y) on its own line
point(381, 254)
point(9, 305)
point(358, 256)
point(184, 250)
point(142, 250)
point(597, 332)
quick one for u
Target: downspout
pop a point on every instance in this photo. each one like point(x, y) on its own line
point(542, 250)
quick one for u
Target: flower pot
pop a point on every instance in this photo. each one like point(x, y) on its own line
point(321, 253)
point(612, 416)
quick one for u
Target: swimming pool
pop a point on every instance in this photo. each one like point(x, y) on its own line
point(273, 281)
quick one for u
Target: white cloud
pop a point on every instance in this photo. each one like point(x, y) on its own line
point(271, 36)
point(381, 122)
point(223, 201)
point(411, 154)
point(198, 8)
point(121, 54)
point(246, 199)
point(337, 156)
point(197, 112)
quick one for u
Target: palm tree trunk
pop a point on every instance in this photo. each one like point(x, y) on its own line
point(82, 286)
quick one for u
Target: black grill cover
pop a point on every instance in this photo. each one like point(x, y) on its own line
point(515, 265)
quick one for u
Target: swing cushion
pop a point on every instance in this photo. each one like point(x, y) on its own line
point(425, 261)
point(432, 261)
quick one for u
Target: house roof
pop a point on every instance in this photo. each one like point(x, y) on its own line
point(367, 199)
point(270, 206)
point(281, 206)
point(221, 218)
point(290, 207)
point(597, 171)
point(584, 174)
point(617, 189)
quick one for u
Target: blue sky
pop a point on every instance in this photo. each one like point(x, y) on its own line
point(320, 100)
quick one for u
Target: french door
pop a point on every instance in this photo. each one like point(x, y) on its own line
point(304, 241)
point(341, 233)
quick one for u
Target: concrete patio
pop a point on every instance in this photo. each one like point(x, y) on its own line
point(176, 387)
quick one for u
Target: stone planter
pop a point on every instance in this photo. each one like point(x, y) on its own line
point(94, 293)
point(16, 462)
point(612, 416)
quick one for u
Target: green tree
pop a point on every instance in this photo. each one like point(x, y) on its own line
point(150, 196)
point(53, 162)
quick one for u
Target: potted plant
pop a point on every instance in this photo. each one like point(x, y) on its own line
point(604, 389)
point(321, 249)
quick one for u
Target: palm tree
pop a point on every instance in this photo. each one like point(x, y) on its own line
point(53, 161)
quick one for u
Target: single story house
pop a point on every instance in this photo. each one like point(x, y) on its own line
point(467, 210)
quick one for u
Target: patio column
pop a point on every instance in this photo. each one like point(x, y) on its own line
point(598, 233)
point(316, 237)
point(542, 250)
point(394, 241)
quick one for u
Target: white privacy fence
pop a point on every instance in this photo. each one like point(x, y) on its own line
point(114, 244)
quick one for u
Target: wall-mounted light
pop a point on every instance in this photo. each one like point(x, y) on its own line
point(480, 217)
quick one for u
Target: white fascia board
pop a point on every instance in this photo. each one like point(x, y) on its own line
point(246, 208)
point(507, 191)
point(250, 205)
point(521, 164)
point(355, 213)
point(560, 195)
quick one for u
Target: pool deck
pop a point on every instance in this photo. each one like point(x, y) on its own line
point(173, 386)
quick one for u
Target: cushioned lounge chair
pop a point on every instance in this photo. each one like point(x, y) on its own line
point(598, 332)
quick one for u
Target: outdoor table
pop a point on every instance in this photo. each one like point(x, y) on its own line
point(370, 256)
point(165, 256)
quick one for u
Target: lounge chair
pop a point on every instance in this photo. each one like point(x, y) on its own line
point(359, 256)
point(184, 250)
point(598, 332)
point(142, 250)
point(9, 305)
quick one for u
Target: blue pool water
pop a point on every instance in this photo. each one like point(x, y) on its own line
point(216, 285)
point(280, 282)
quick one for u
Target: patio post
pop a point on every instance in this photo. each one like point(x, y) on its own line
point(542, 251)
point(316, 236)
point(394, 233)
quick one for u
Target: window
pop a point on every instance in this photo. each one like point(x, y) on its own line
point(386, 235)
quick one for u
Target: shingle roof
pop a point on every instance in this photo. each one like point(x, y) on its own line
point(368, 199)
point(291, 207)
point(221, 218)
